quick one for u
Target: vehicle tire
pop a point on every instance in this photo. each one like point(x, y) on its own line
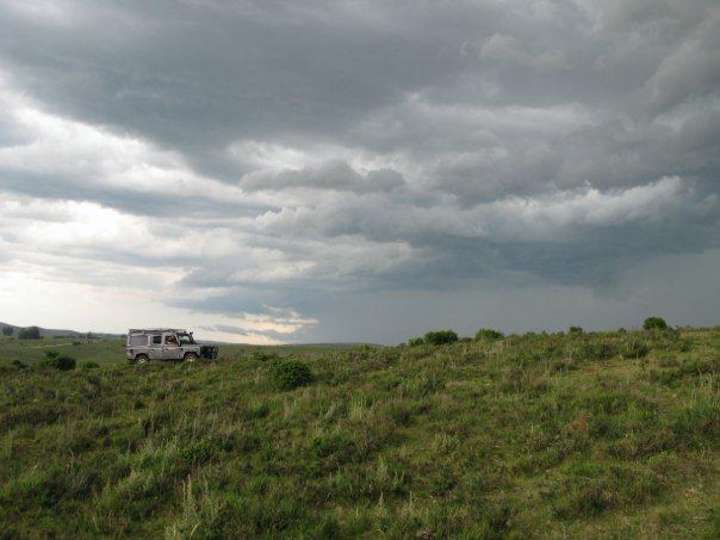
point(141, 359)
point(190, 357)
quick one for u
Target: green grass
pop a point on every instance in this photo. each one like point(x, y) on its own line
point(112, 351)
point(612, 435)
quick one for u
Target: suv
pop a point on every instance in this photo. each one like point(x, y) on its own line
point(167, 344)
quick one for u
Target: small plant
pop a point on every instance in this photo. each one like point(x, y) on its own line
point(51, 355)
point(290, 374)
point(576, 330)
point(90, 365)
point(416, 341)
point(441, 337)
point(488, 334)
point(655, 323)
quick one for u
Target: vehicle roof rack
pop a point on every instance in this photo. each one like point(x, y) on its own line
point(154, 330)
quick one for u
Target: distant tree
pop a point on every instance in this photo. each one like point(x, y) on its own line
point(416, 341)
point(33, 332)
point(655, 323)
point(575, 330)
point(488, 334)
point(8, 331)
point(440, 337)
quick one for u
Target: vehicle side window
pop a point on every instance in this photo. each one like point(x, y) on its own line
point(157, 340)
point(138, 341)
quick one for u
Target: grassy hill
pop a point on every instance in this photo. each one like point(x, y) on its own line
point(54, 333)
point(612, 435)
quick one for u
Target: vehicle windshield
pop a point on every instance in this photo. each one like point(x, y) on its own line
point(186, 339)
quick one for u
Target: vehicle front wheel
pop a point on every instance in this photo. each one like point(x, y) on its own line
point(141, 359)
point(190, 357)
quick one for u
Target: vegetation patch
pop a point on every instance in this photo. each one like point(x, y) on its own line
point(488, 334)
point(440, 337)
point(564, 435)
point(290, 374)
point(655, 323)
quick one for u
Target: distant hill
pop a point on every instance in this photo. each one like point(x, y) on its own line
point(51, 333)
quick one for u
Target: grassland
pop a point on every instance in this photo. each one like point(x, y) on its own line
point(603, 435)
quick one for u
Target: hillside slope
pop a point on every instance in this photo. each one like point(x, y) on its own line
point(52, 333)
point(561, 436)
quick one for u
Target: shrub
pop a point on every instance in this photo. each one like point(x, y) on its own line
point(64, 363)
point(90, 365)
point(51, 355)
point(7, 331)
point(416, 341)
point(290, 374)
point(32, 332)
point(488, 334)
point(655, 323)
point(635, 349)
point(575, 330)
point(262, 356)
point(600, 350)
point(441, 337)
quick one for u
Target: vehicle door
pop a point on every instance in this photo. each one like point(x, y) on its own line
point(171, 347)
point(155, 347)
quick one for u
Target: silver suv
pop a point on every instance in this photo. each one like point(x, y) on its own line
point(166, 344)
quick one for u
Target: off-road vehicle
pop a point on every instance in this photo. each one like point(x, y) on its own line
point(166, 344)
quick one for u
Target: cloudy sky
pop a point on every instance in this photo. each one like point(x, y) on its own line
point(274, 171)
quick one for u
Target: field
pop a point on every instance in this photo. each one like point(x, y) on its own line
point(577, 435)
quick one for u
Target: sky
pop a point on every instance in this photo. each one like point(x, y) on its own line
point(272, 171)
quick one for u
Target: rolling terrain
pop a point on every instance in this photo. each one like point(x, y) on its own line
point(576, 435)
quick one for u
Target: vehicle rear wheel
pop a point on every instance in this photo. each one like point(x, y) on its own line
point(190, 357)
point(141, 359)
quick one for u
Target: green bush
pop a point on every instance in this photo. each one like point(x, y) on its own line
point(90, 365)
point(655, 323)
point(7, 331)
point(262, 356)
point(635, 349)
point(290, 374)
point(64, 363)
point(32, 332)
point(441, 337)
point(53, 360)
point(575, 330)
point(596, 350)
point(416, 341)
point(488, 334)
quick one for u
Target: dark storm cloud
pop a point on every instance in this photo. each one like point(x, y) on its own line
point(170, 204)
point(327, 152)
point(337, 176)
